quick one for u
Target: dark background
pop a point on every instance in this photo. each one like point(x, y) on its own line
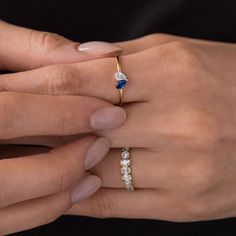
point(116, 20)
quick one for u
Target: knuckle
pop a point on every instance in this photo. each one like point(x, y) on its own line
point(42, 43)
point(185, 53)
point(7, 115)
point(187, 65)
point(62, 80)
point(62, 179)
point(198, 128)
point(50, 41)
point(54, 210)
point(104, 207)
point(199, 176)
point(64, 174)
point(67, 168)
point(157, 38)
point(66, 120)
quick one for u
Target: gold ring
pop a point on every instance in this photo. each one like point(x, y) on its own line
point(121, 80)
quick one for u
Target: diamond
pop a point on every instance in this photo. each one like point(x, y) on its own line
point(125, 154)
point(125, 170)
point(120, 76)
point(125, 162)
point(130, 188)
point(127, 178)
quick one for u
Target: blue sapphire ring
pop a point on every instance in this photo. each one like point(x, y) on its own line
point(121, 79)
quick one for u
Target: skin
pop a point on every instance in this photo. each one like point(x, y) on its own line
point(39, 186)
point(180, 127)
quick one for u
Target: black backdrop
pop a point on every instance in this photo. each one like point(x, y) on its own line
point(115, 20)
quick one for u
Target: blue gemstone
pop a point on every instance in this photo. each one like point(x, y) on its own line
point(120, 84)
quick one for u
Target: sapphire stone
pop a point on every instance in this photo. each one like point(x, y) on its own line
point(120, 84)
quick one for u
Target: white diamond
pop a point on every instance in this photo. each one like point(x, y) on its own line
point(125, 162)
point(130, 188)
point(126, 178)
point(125, 154)
point(120, 76)
point(125, 170)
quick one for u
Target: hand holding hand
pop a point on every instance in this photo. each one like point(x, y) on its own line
point(36, 189)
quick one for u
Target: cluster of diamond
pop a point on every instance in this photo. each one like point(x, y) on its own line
point(125, 169)
point(121, 80)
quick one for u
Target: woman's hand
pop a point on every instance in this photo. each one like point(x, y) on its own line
point(36, 189)
point(181, 127)
point(23, 115)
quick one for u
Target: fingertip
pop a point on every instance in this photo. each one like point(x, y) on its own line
point(107, 118)
point(85, 188)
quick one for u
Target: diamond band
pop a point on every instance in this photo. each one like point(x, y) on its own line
point(126, 169)
point(121, 79)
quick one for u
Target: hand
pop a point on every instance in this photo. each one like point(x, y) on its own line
point(36, 189)
point(24, 115)
point(181, 128)
point(180, 105)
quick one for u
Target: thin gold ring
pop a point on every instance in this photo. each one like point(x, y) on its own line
point(121, 80)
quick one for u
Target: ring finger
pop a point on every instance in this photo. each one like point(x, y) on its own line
point(93, 78)
point(149, 169)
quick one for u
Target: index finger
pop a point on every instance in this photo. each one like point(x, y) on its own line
point(39, 175)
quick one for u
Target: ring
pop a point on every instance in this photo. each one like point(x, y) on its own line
point(126, 174)
point(121, 79)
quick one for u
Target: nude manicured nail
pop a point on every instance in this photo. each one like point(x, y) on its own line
point(85, 188)
point(107, 118)
point(96, 152)
point(98, 47)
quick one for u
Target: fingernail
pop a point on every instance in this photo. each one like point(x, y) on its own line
point(96, 152)
point(85, 188)
point(107, 118)
point(98, 47)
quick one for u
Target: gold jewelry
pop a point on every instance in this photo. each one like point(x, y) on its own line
point(126, 174)
point(121, 80)
point(125, 163)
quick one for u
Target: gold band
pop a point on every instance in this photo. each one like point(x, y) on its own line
point(121, 80)
point(118, 64)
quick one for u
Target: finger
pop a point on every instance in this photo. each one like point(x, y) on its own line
point(44, 174)
point(29, 115)
point(93, 78)
point(149, 168)
point(37, 212)
point(130, 134)
point(119, 203)
point(24, 49)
